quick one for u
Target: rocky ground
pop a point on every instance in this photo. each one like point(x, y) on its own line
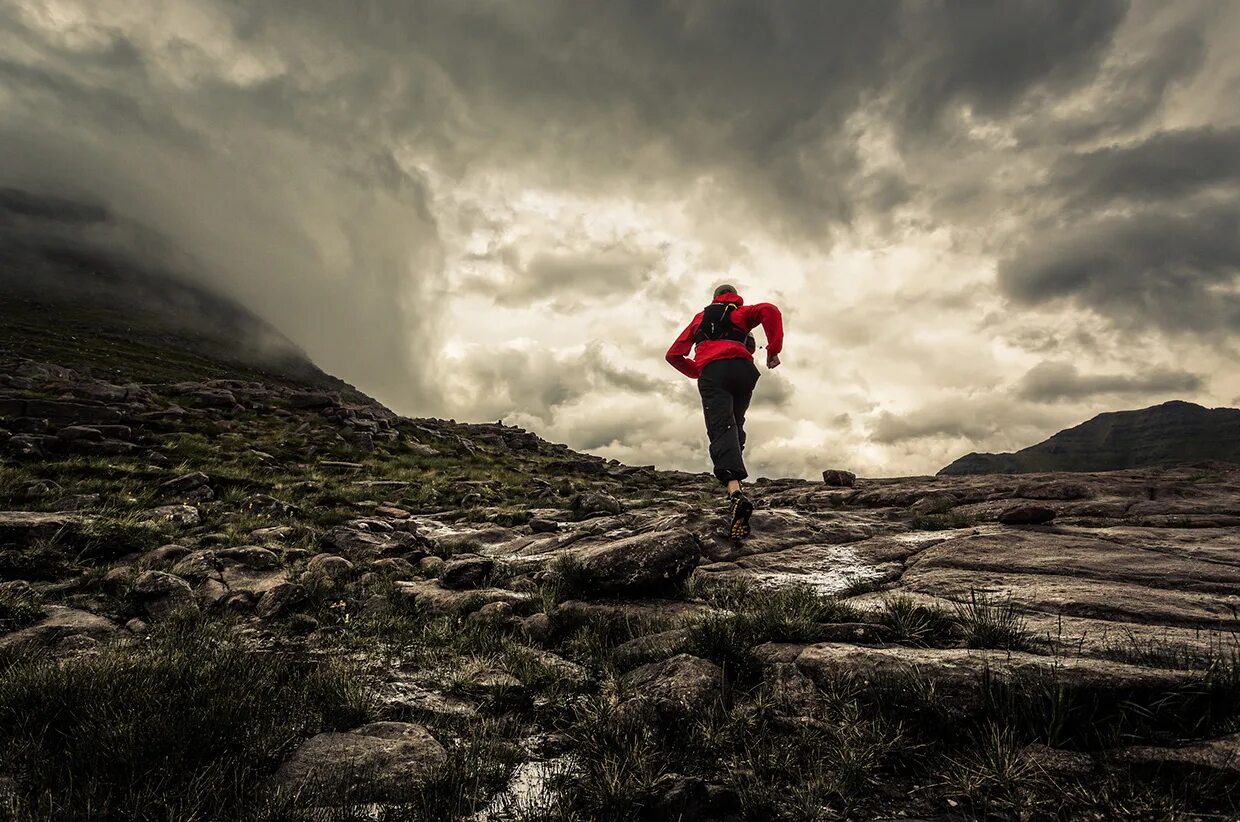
point(244, 599)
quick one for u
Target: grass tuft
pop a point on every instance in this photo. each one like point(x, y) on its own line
point(915, 623)
point(989, 622)
point(187, 725)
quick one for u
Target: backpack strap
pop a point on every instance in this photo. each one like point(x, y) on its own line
point(717, 324)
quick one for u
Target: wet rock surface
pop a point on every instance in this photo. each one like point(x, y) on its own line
point(392, 756)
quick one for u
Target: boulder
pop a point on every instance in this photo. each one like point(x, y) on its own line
point(279, 599)
point(466, 572)
point(837, 478)
point(118, 448)
point(642, 563)
point(211, 398)
point(198, 565)
point(675, 688)
point(593, 503)
point(382, 761)
point(494, 615)
point(151, 584)
point(162, 593)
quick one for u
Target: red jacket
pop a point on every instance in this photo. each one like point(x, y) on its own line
point(746, 318)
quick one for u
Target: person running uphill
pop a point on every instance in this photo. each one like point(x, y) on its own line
point(723, 366)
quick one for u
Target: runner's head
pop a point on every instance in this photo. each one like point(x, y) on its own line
point(724, 289)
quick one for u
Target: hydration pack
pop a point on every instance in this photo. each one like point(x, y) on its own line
point(717, 325)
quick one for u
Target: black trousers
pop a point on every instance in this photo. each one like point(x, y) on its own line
point(726, 387)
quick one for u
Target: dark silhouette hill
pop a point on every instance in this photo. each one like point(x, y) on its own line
point(1165, 434)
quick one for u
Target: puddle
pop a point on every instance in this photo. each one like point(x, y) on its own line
point(530, 791)
point(839, 567)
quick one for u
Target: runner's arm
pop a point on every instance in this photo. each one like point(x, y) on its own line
point(772, 323)
point(678, 354)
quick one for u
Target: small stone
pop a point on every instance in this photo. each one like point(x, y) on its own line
point(119, 578)
point(184, 484)
point(279, 599)
point(537, 629)
point(466, 572)
point(596, 504)
point(396, 567)
point(1027, 515)
point(307, 400)
point(186, 515)
point(251, 556)
point(493, 614)
point(78, 502)
point(75, 644)
point(330, 566)
point(544, 526)
point(162, 594)
point(263, 505)
point(158, 584)
point(430, 566)
point(73, 433)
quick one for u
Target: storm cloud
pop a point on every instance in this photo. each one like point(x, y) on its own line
point(478, 209)
point(1053, 381)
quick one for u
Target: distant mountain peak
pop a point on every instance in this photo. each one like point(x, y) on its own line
point(1171, 432)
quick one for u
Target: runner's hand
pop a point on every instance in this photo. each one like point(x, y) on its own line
point(772, 360)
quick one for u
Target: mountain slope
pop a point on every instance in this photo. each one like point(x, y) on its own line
point(1163, 434)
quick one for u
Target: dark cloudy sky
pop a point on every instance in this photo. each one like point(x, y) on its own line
point(984, 221)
